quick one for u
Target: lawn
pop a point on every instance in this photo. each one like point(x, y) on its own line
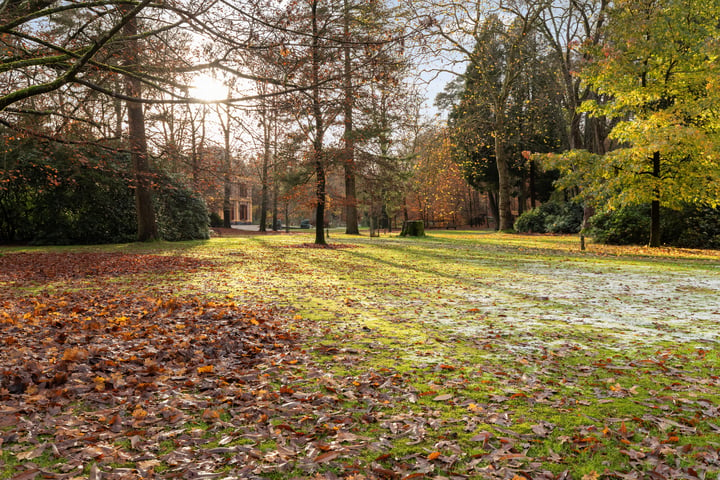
point(459, 355)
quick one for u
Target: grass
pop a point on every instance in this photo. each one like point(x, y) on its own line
point(557, 351)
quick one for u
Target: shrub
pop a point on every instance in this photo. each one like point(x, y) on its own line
point(690, 227)
point(52, 194)
point(215, 220)
point(551, 217)
point(532, 221)
point(181, 214)
point(626, 226)
point(699, 228)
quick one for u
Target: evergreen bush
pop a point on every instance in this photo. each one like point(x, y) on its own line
point(53, 194)
point(215, 220)
point(626, 226)
point(691, 227)
point(551, 217)
point(181, 215)
point(697, 227)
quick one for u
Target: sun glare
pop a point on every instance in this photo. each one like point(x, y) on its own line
point(208, 88)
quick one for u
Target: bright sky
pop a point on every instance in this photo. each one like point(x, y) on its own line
point(208, 88)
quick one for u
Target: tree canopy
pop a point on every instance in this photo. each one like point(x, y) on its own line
point(656, 75)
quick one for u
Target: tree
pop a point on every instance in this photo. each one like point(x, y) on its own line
point(57, 54)
point(147, 227)
point(61, 62)
point(351, 212)
point(438, 185)
point(304, 52)
point(467, 32)
point(532, 117)
point(470, 129)
point(569, 27)
point(658, 68)
point(52, 50)
point(372, 66)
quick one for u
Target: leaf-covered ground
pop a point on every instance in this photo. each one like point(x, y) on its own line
point(462, 355)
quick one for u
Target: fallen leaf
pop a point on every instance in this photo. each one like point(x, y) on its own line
point(30, 454)
point(326, 457)
point(481, 437)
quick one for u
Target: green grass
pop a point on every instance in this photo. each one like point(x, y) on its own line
point(520, 331)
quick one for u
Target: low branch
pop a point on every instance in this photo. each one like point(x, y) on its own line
point(70, 74)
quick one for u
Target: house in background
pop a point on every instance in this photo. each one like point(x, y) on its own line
point(240, 202)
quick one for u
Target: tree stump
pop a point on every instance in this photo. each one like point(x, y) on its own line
point(413, 228)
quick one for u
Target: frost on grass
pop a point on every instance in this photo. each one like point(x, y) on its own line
point(631, 302)
point(627, 302)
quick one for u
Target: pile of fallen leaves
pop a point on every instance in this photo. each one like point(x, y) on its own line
point(19, 268)
point(99, 375)
point(112, 379)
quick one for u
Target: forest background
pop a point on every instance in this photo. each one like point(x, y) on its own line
point(134, 120)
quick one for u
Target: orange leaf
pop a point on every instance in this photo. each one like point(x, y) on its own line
point(205, 369)
point(211, 414)
point(475, 408)
point(74, 354)
point(139, 413)
point(433, 455)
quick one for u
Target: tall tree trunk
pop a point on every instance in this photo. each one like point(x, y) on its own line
point(275, 211)
point(320, 198)
point(264, 194)
point(575, 136)
point(275, 172)
point(351, 214)
point(319, 130)
point(147, 227)
point(655, 205)
point(533, 194)
point(503, 167)
point(493, 205)
point(227, 173)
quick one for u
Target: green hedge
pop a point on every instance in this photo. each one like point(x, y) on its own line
point(691, 227)
point(181, 215)
point(551, 217)
point(56, 194)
